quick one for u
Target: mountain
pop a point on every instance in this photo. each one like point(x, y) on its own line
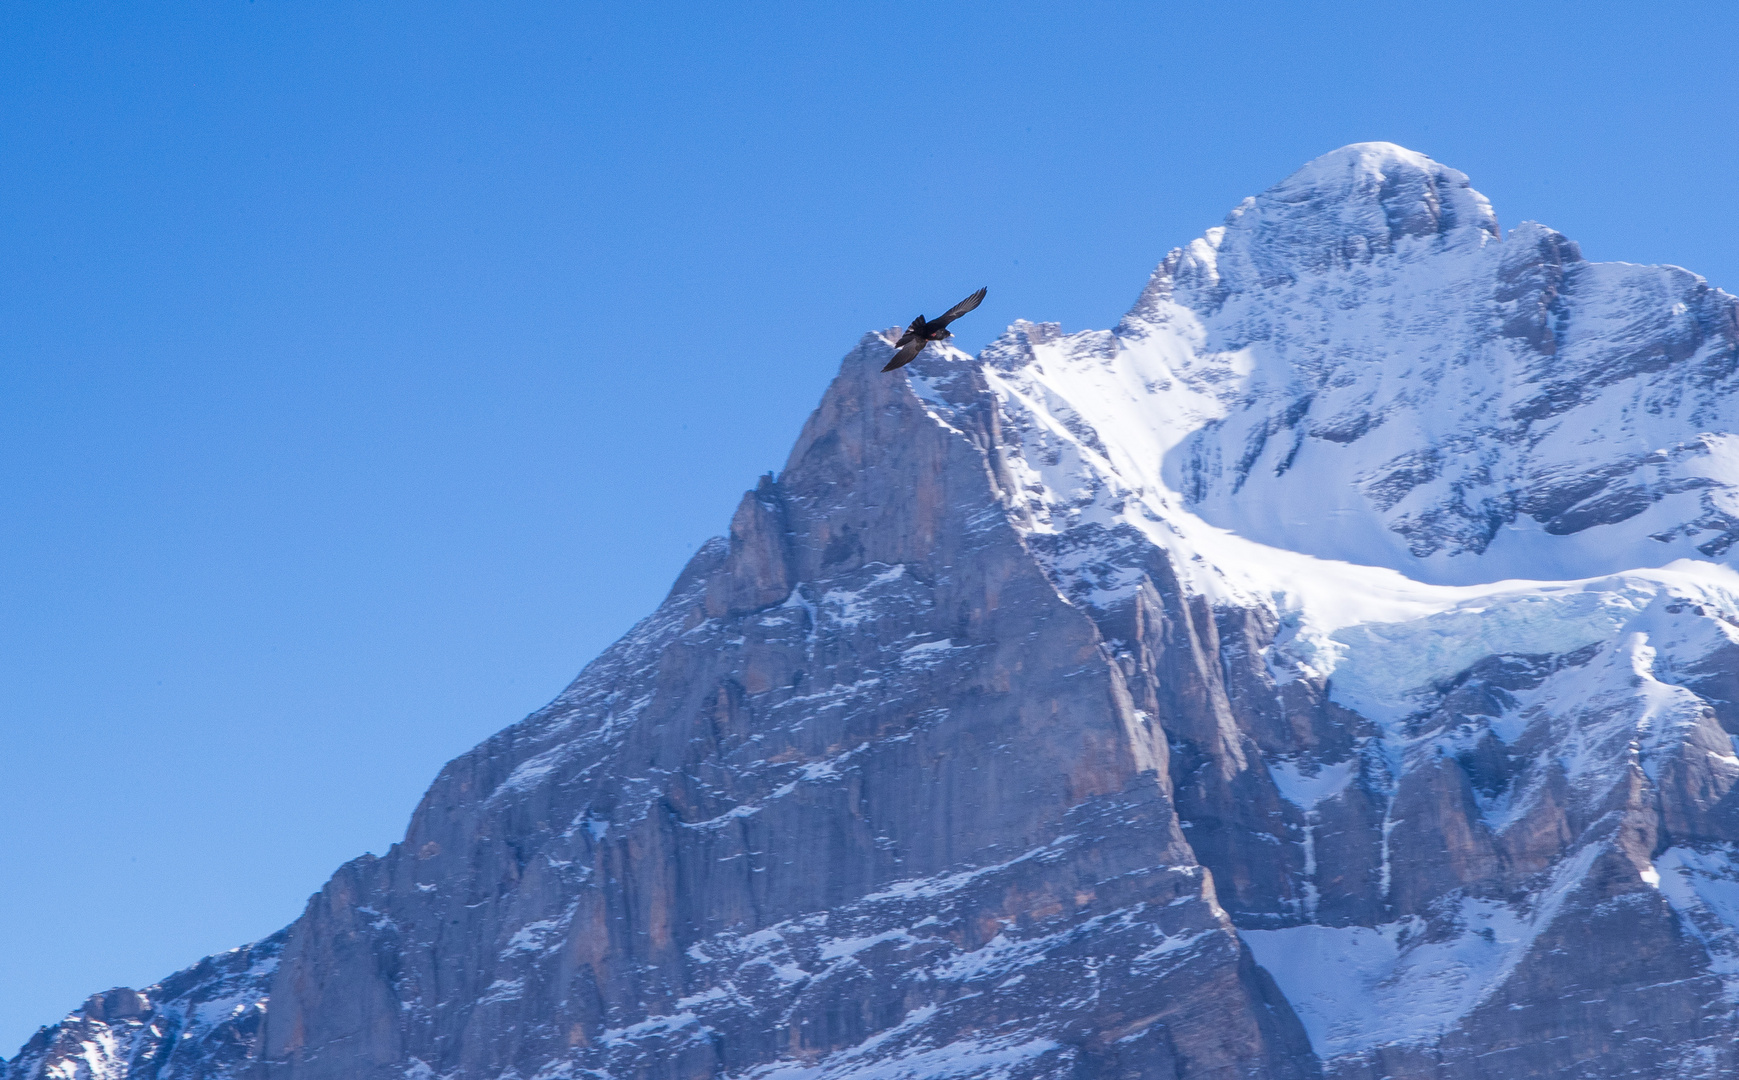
point(1332, 670)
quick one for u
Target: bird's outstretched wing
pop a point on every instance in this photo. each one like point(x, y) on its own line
point(912, 331)
point(907, 352)
point(961, 308)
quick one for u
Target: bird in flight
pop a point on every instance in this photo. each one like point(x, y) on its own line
point(923, 331)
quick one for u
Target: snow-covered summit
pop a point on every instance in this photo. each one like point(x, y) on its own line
point(1345, 208)
point(1358, 365)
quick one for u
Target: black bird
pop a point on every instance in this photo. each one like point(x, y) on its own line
point(923, 331)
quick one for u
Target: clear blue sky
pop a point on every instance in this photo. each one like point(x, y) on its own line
point(366, 367)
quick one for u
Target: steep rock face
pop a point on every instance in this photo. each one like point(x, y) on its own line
point(862, 767)
point(1154, 702)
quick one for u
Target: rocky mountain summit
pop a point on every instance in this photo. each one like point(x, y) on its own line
point(1332, 670)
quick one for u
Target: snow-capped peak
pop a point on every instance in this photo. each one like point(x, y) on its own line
point(1347, 208)
point(1342, 210)
point(1370, 373)
point(1431, 419)
point(1425, 452)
